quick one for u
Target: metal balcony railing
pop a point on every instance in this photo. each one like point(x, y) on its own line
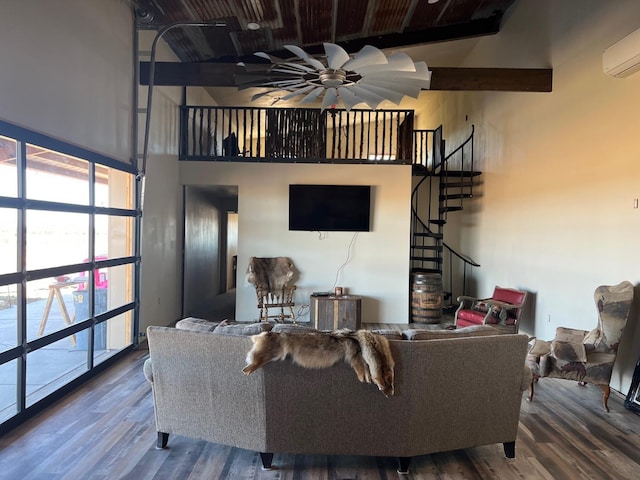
point(296, 135)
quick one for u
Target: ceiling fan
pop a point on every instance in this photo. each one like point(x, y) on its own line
point(368, 77)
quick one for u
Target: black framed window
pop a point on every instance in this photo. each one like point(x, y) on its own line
point(69, 224)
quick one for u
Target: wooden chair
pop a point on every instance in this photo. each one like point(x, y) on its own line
point(271, 277)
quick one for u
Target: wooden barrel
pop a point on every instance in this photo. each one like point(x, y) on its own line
point(426, 298)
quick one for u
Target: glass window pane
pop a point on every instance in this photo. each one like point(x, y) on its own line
point(55, 303)
point(56, 238)
point(114, 188)
point(8, 317)
point(8, 240)
point(114, 236)
point(118, 286)
point(8, 170)
point(52, 367)
point(9, 390)
point(112, 336)
point(55, 177)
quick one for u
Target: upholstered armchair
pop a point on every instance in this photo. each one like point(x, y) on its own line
point(502, 310)
point(271, 277)
point(586, 356)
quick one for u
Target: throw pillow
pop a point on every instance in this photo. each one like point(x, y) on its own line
point(196, 324)
point(540, 347)
point(564, 334)
point(243, 328)
point(471, 331)
point(480, 307)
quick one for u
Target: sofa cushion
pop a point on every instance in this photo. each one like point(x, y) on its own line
point(389, 333)
point(471, 331)
point(197, 324)
point(243, 328)
point(290, 328)
point(568, 345)
point(569, 351)
point(470, 317)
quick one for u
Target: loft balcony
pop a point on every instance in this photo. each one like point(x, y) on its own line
point(248, 134)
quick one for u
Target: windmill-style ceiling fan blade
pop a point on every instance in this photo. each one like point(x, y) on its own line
point(303, 89)
point(349, 100)
point(300, 53)
point(280, 61)
point(385, 93)
point(372, 99)
point(395, 63)
point(313, 95)
point(404, 89)
point(330, 98)
point(336, 55)
point(368, 55)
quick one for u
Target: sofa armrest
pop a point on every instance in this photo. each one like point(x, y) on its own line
point(148, 370)
point(527, 377)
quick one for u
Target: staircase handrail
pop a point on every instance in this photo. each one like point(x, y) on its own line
point(414, 211)
point(461, 146)
point(462, 257)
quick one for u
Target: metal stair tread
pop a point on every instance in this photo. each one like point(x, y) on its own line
point(449, 209)
point(429, 235)
point(426, 259)
point(455, 196)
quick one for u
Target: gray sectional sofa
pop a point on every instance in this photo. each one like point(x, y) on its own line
point(452, 391)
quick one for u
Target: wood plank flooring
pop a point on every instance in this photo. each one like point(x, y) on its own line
point(106, 430)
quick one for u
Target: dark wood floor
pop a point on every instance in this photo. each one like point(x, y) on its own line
point(106, 430)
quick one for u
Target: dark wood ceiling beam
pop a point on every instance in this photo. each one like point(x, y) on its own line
point(443, 78)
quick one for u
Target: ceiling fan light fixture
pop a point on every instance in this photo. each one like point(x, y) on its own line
point(253, 26)
point(332, 78)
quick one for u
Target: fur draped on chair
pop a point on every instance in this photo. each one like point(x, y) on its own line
point(271, 277)
point(271, 273)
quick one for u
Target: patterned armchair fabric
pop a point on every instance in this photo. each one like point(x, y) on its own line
point(586, 356)
point(502, 310)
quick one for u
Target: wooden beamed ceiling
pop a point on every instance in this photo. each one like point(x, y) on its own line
point(208, 56)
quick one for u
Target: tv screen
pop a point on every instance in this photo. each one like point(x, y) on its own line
point(329, 208)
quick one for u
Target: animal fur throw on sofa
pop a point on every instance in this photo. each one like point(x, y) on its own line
point(271, 273)
point(368, 353)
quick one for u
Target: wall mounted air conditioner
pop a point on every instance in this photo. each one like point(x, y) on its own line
point(623, 57)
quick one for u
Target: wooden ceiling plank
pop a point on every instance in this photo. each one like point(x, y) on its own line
point(443, 78)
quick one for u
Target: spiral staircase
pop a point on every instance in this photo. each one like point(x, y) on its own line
point(443, 182)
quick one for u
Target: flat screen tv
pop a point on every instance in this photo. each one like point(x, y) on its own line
point(330, 208)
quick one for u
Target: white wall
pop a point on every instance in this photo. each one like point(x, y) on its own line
point(379, 264)
point(67, 71)
point(560, 169)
